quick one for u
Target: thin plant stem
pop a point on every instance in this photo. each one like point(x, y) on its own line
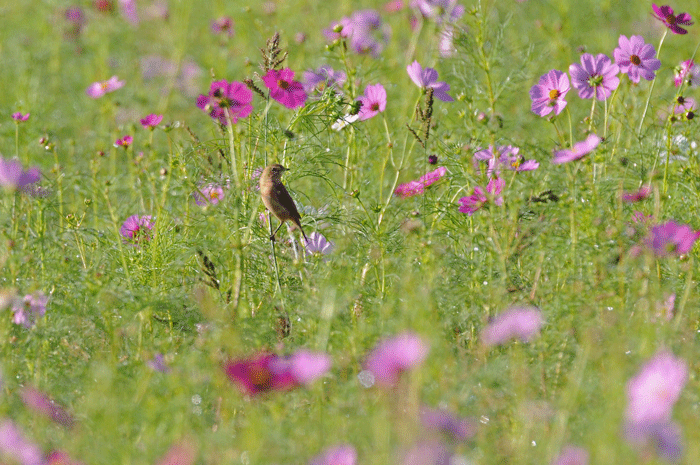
point(651, 87)
point(590, 117)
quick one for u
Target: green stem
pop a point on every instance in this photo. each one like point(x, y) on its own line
point(651, 88)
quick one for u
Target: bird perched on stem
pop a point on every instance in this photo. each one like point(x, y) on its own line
point(277, 199)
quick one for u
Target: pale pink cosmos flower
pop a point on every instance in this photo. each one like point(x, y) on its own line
point(393, 356)
point(29, 309)
point(15, 446)
point(522, 323)
point(128, 10)
point(572, 455)
point(481, 197)
point(317, 243)
point(209, 194)
point(654, 390)
point(665, 14)
point(636, 58)
point(373, 102)
point(595, 76)
point(504, 156)
point(428, 78)
point(549, 93)
point(13, 177)
point(284, 88)
point(412, 188)
point(579, 150)
point(688, 72)
point(343, 454)
point(100, 88)
point(323, 78)
point(136, 228)
point(672, 238)
point(151, 121)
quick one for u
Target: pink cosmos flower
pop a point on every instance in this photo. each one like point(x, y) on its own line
point(439, 10)
point(125, 142)
point(40, 403)
point(507, 156)
point(595, 76)
point(428, 77)
point(16, 447)
point(157, 363)
point(641, 194)
point(343, 454)
point(58, 457)
point(481, 197)
point(223, 26)
point(457, 427)
point(548, 95)
point(446, 46)
point(98, 89)
point(20, 117)
point(12, 176)
point(673, 22)
point(636, 58)
point(689, 72)
point(418, 187)
point(209, 194)
point(515, 323)
point(364, 30)
point(654, 390)
point(672, 238)
point(128, 10)
point(317, 243)
point(579, 150)
point(232, 97)
point(665, 437)
point(137, 228)
point(269, 372)
point(393, 356)
point(29, 309)
point(323, 78)
point(151, 121)
point(284, 88)
point(683, 109)
point(373, 102)
point(427, 453)
point(572, 455)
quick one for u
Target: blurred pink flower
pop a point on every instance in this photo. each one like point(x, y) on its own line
point(507, 156)
point(323, 78)
point(439, 10)
point(572, 455)
point(12, 176)
point(128, 11)
point(125, 142)
point(182, 453)
point(20, 117)
point(58, 457)
point(364, 30)
point(522, 323)
point(151, 121)
point(636, 58)
point(481, 197)
point(688, 72)
point(373, 101)
point(641, 194)
point(665, 14)
point(284, 88)
point(232, 97)
point(40, 403)
point(343, 454)
point(595, 76)
point(137, 228)
point(665, 437)
point(209, 194)
point(457, 427)
point(317, 243)
point(412, 188)
point(549, 93)
point(30, 308)
point(15, 446)
point(427, 453)
point(579, 150)
point(393, 356)
point(157, 363)
point(223, 26)
point(98, 89)
point(672, 238)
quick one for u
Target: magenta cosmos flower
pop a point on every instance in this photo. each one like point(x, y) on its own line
point(284, 88)
point(395, 355)
point(20, 117)
point(224, 97)
point(373, 101)
point(98, 89)
point(595, 76)
point(151, 121)
point(270, 372)
point(343, 454)
point(636, 58)
point(654, 390)
point(665, 14)
point(548, 95)
point(223, 26)
point(29, 309)
point(412, 188)
point(579, 150)
point(672, 238)
point(12, 176)
point(209, 194)
point(317, 243)
point(137, 228)
point(515, 323)
point(481, 197)
point(125, 142)
point(641, 194)
point(428, 77)
point(688, 72)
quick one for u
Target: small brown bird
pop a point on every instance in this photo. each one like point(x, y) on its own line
point(277, 199)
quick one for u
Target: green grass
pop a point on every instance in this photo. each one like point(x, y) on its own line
point(113, 306)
